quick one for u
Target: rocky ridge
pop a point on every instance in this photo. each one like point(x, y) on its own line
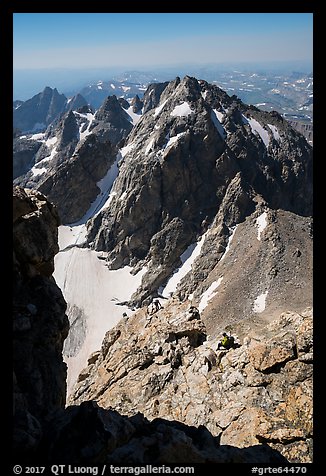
point(166, 366)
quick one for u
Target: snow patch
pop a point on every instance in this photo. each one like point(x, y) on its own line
point(90, 118)
point(275, 132)
point(159, 108)
point(123, 196)
point(261, 223)
point(220, 115)
point(209, 294)
point(229, 242)
point(257, 128)
point(215, 116)
point(38, 171)
point(39, 136)
point(182, 110)
point(174, 139)
point(51, 141)
point(134, 117)
point(124, 151)
point(187, 259)
point(260, 302)
point(149, 146)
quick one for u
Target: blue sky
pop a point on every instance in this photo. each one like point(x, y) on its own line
point(126, 40)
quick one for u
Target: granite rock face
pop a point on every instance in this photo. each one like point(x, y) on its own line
point(39, 321)
point(136, 104)
point(24, 152)
point(165, 366)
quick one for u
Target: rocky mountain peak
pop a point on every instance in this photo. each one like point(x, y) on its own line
point(152, 95)
point(37, 113)
point(77, 102)
point(111, 122)
point(69, 130)
point(196, 155)
point(136, 104)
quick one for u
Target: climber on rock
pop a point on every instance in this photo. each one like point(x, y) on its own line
point(156, 305)
point(227, 342)
point(193, 313)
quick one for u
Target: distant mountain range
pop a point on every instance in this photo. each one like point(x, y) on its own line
point(290, 94)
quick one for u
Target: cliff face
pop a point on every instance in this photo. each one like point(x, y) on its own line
point(39, 321)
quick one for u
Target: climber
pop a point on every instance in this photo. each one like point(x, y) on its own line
point(157, 305)
point(227, 342)
point(193, 313)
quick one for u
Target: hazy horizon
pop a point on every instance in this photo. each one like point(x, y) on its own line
point(29, 82)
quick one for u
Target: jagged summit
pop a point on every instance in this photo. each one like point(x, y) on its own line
point(37, 113)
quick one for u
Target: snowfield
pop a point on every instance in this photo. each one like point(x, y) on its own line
point(216, 118)
point(182, 110)
point(275, 132)
point(159, 108)
point(258, 129)
point(260, 303)
point(134, 116)
point(90, 286)
point(92, 291)
point(229, 242)
point(261, 223)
